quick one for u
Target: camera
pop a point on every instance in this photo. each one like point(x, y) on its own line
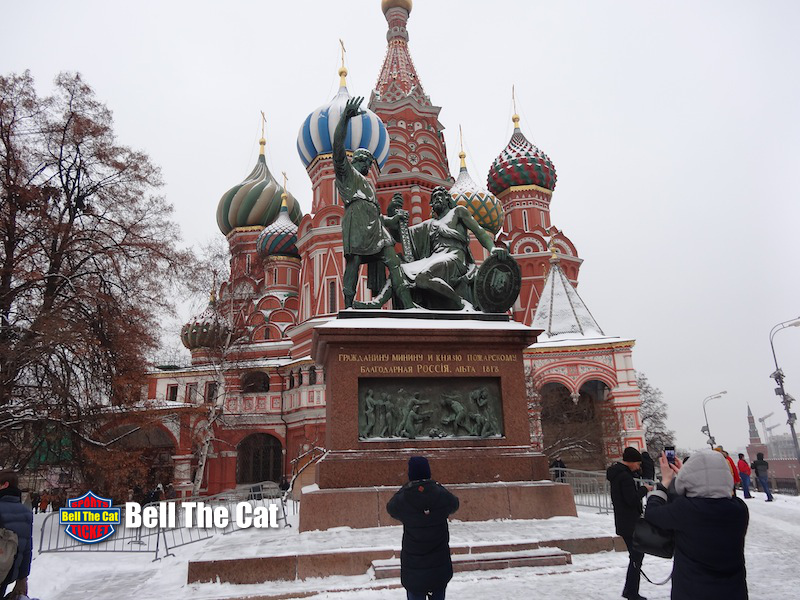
point(669, 452)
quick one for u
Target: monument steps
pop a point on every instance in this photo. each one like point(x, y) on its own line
point(359, 561)
point(486, 561)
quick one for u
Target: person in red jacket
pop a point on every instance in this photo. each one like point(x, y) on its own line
point(734, 470)
point(744, 474)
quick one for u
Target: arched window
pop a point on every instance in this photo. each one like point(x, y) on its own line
point(255, 382)
point(312, 375)
point(332, 296)
point(259, 458)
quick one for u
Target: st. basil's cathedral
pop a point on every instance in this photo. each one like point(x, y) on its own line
point(263, 388)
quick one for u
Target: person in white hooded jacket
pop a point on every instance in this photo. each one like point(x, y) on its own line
point(709, 525)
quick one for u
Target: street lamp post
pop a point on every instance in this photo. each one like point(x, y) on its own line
point(779, 377)
point(706, 429)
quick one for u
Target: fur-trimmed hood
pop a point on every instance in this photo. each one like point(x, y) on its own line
point(705, 475)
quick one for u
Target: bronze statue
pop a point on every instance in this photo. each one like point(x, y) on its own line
point(442, 270)
point(364, 237)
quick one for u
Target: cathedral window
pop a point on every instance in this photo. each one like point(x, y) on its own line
point(255, 382)
point(211, 392)
point(525, 220)
point(332, 296)
point(191, 393)
point(312, 375)
point(172, 393)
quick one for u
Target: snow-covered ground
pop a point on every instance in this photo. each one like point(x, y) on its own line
point(772, 552)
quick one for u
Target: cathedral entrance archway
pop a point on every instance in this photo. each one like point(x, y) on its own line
point(260, 458)
point(574, 424)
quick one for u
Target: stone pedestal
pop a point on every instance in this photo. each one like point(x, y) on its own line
point(450, 356)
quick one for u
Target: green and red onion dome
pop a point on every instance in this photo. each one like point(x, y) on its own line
point(255, 201)
point(279, 238)
point(521, 163)
point(485, 208)
point(209, 329)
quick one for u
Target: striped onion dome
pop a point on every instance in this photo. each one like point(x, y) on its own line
point(255, 201)
point(279, 238)
point(387, 4)
point(485, 208)
point(209, 329)
point(521, 163)
point(363, 131)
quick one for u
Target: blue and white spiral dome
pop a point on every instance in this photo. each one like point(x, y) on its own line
point(363, 131)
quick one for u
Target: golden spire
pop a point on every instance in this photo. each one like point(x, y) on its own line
point(262, 142)
point(553, 232)
point(285, 194)
point(342, 69)
point(212, 297)
point(515, 116)
point(461, 154)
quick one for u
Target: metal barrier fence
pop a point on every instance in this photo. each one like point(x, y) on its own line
point(160, 540)
point(590, 488)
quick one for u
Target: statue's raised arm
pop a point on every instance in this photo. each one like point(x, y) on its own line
point(340, 162)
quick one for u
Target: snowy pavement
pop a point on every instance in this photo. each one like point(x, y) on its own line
point(772, 552)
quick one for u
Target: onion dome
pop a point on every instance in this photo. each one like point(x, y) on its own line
point(521, 163)
point(209, 329)
point(280, 237)
point(255, 201)
point(387, 4)
point(485, 208)
point(363, 131)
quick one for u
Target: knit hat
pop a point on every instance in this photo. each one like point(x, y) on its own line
point(418, 468)
point(706, 476)
point(631, 455)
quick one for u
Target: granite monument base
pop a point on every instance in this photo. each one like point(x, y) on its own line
point(450, 390)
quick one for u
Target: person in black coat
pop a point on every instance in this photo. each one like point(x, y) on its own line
point(709, 526)
point(626, 497)
point(559, 470)
point(648, 467)
point(19, 519)
point(423, 505)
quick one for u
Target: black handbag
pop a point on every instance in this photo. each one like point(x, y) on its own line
point(653, 540)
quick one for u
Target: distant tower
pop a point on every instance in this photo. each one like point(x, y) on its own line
point(417, 160)
point(755, 446)
point(523, 178)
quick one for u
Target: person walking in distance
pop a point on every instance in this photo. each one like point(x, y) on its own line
point(16, 517)
point(761, 468)
point(559, 470)
point(744, 475)
point(626, 497)
point(423, 505)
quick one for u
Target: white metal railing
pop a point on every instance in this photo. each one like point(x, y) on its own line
point(590, 488)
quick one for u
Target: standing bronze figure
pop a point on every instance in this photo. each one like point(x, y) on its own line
point(364, 237)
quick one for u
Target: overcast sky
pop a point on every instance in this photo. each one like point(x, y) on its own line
point(673, 126)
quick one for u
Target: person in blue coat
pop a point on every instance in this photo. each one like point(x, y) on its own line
point(18, 518)
point(709, 527)
point(423, 505)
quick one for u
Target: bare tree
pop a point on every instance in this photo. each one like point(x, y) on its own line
point(88, 256)
point(653, 412)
